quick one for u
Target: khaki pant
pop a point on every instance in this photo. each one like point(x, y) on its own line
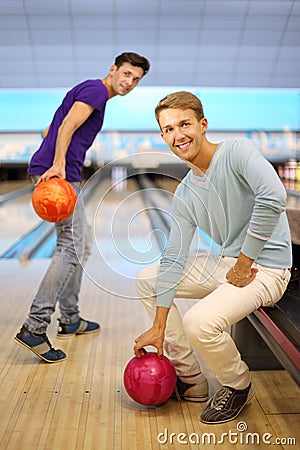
point(221, 305)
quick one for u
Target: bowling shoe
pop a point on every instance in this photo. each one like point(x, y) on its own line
point(226, 404)
point(82, 326)
point(40, 345)
point(191, 392)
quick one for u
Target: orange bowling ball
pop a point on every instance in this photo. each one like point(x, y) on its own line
point(54, 200)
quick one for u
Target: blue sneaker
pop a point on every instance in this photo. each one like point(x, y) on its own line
point(66, 330)
point(40, 345)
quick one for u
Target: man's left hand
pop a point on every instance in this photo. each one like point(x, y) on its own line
point(241, 279)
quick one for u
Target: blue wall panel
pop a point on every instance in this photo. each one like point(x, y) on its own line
point(226, 110)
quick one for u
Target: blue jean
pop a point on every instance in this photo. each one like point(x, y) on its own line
point(62, 281)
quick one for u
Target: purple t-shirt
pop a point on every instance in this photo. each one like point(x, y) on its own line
point(92, 92)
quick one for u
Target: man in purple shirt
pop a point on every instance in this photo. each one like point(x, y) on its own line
point(66, 140)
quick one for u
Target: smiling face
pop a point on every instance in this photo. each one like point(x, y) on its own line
point(183, 133)
point(124, 79)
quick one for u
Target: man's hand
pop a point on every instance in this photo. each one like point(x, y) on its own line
point(155, 335)
point(241, 274)
point(53, 171)
point(151, 337)
point(238, 279)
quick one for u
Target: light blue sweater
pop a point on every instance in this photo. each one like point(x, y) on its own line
point(239, 203)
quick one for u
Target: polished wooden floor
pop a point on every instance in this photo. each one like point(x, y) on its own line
point(81, 403)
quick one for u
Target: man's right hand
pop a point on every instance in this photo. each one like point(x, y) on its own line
point(152, 337)
point(155, 335)
point(52, 172)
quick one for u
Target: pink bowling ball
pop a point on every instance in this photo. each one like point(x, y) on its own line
point(150, 380)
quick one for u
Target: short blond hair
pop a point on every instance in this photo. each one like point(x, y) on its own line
point(180, 100)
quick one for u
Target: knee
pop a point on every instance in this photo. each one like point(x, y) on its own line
point(81, 249)
point(199, 329)
point(191, 327)
point(88, 242)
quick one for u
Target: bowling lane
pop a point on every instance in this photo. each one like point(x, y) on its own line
point(16, 216)
point(123, 239)
point(8, 186)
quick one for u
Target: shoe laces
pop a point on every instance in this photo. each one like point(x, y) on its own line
point(219, 400)
point(48, 342)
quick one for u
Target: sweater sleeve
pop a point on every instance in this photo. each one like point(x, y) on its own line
point(269, 197)
point(174, 258)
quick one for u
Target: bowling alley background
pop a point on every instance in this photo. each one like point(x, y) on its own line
point(270, 117)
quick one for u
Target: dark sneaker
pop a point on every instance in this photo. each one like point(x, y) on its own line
point(226, 404)
point(191, 392)
point(82, 326)
point(40, 345)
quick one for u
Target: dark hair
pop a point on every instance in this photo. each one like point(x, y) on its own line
point(134, 59)
point(180, 100)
